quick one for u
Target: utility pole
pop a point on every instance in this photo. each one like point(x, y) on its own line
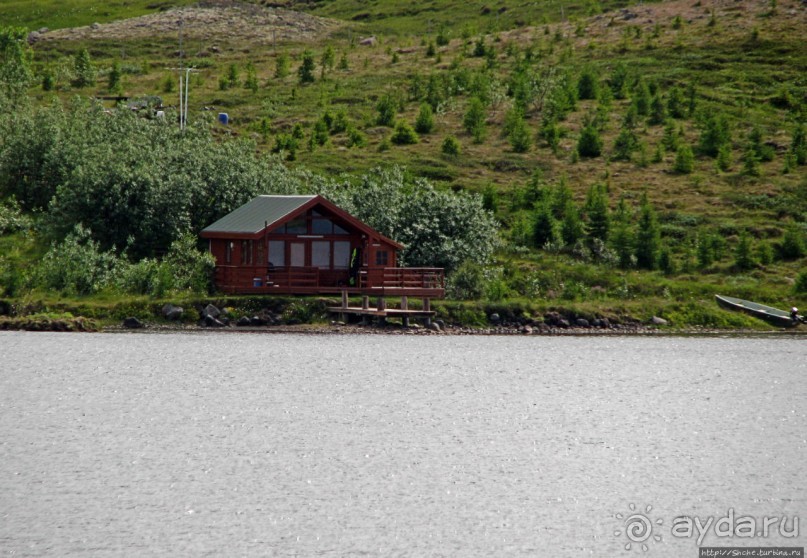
point(184, 86)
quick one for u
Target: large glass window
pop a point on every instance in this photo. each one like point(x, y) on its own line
point(246, 252)
point(381, 257)
point(297, 226)
point(277, 253)
point(321, 226)
point(341, 254)
point(321, 254)
point(296, 254)
point(228, 252)
point(338, 230)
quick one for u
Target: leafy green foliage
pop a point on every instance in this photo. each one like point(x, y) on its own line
point(588, 85)
point(424, 124)
point(474, 120)
point(589, 144)
point(793, 242)
point(437, 228)
point(684, 160)
point(84, 69)
point(282, 65)
point(404, 134)
point(520, 137)
point(648, 237)
point(305, 72)
point(715, 133)
point(451, 146)
point(599, 221)
point(387, 108)
point(15, 64)
point(743, 253)
point(76, 266)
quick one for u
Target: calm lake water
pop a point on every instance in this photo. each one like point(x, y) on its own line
point(215, 444)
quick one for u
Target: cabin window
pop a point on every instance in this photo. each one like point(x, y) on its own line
point(246, 252)
point(321, 254)
point(277, 253)
point(321, 226)
point(296, 254)
point(382, 257)
point(228, 252)
point(297, 226)
point(338, 230)
point(341, 254)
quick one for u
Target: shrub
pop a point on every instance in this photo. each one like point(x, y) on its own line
point(543, 226)
point(801, 283)
point(587, 85)
point(387, 108)
point(306, 70)
point(83, 69)
point(793, 245)
point(715, 133)
point(684, 160)
point(590, 143)
point(624, 145)
point(404, 134)
point(724, 157)
point(424, 123)
point(648, 237)
point(282, 65)
point(76, 266)
point(467, 283)
point(743, 253)
point(451, 146)
point(474, 120)
point(355, 138)
point(520, 137)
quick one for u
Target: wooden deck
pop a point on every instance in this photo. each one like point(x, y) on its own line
point(381, 310)
point(393, 281)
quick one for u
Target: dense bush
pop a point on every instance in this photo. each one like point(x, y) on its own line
point(437, 228)
point(62, 161)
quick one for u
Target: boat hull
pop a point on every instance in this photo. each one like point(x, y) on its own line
point(773, 316)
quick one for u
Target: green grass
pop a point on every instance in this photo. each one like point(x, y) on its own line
point(58, 14)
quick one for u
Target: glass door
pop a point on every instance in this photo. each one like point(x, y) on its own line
point(297, 254)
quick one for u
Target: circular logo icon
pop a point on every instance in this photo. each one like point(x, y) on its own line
point(638, 527)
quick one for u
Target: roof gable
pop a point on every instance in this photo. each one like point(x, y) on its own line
point(253, 216)
point(265, 212)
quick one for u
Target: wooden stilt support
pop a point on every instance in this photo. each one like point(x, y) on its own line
point(365, 302)
point(427, 307)
point(342, 315)
point(405, 306)
point(381, 306)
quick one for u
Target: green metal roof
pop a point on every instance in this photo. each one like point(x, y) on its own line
point(254, 215)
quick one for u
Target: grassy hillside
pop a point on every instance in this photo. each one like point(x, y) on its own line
point(682, 62)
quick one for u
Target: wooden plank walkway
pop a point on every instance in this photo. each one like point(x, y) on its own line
point(381, 310)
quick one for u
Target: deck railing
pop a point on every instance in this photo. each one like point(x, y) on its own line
point(408, 278)
point(229, 277)
point(256, 279)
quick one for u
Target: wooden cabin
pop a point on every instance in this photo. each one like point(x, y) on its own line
point(308, 245)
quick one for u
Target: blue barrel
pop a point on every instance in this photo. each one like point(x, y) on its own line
point(224, 118)
point(257, 282)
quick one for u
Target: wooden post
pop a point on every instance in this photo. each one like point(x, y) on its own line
point(405, 306)
point(344, 299)
point(365, 302)
point(427, 306)
point(381, 306)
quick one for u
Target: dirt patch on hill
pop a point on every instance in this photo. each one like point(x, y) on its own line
point(209, 20)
